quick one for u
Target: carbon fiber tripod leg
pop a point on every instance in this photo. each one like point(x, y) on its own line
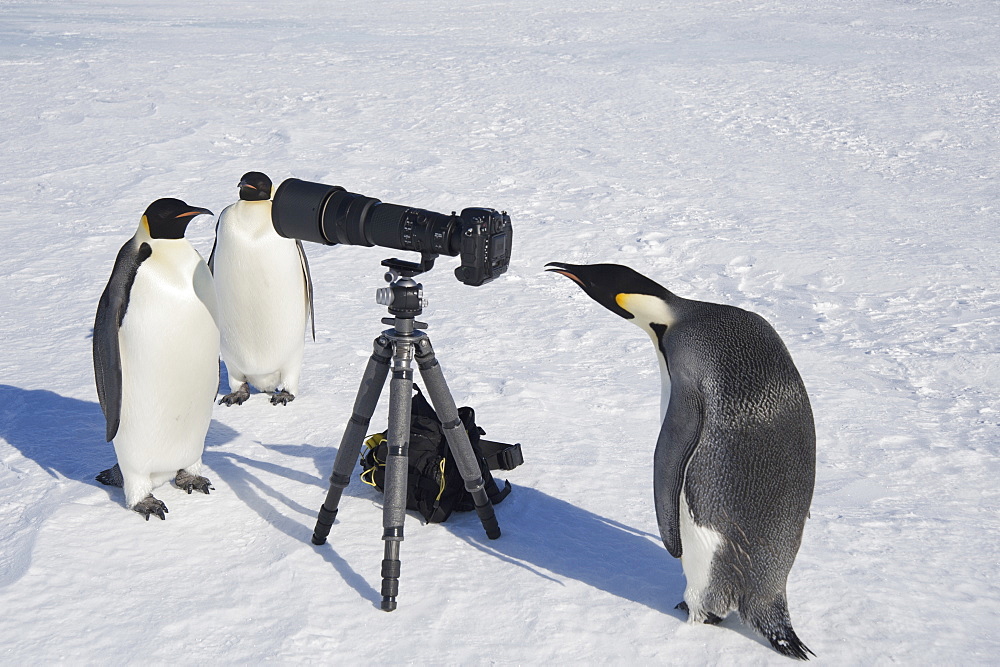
point(454, 432)
point(394, 507)
point(372, 383)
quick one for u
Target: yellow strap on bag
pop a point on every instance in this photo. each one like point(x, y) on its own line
point(368, 475)
point(441, 491)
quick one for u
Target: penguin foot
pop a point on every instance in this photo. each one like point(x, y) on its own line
point(151, 505)
point(111, 477)
point(237, 397)
point(282, 397)
point(188, 482)
point(710, 618)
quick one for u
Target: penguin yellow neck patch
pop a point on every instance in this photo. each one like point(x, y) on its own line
point(646, 308)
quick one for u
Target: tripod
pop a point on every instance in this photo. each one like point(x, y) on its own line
point(399, 346)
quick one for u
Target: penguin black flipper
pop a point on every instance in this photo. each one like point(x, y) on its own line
point(309, 285)
point(215, 243)
point(111, 311)
point(678, 439)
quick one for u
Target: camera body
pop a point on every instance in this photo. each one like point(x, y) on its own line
point(485, 245)
point(329, 214)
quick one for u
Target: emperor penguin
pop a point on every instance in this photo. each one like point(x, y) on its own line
point(735, 461)
point(156, 358)
point(265, 297)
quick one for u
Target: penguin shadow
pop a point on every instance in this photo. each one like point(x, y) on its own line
point(557, 540)
point(541, 532)
point(244, 476)
point(554, 539)
point(65, 436)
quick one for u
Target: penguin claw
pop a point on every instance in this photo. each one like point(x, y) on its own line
point(710, 618)
point(150, 505)
point(237, 397)
point(282, 397)
point(188, 482)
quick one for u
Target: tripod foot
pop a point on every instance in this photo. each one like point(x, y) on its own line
point(390, 582)
point(323, 524)
point(490, 523)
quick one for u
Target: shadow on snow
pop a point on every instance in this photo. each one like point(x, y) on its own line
point(65, 436)
point(545, 535)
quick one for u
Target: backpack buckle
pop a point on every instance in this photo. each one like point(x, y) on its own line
point(510, 458)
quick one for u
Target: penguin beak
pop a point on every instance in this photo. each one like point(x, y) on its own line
point(566, 270)
point(595, 281)
point(193, 211)
point(250, 192)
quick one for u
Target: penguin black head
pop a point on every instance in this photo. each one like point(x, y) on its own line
point(621, 290)
point(168, 218)
point(255, 186)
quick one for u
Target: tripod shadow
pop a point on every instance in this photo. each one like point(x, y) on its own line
point(544, 535)
point(242, 475)
point(556, 540)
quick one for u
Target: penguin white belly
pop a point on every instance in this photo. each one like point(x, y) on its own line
point(664, 371)
point(699, 545)
point(169, 345)
point(262, 304)
point(664, 387)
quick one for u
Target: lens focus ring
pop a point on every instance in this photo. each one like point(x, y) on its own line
point(344, 217)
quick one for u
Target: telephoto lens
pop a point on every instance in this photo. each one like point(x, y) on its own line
point(331, 215)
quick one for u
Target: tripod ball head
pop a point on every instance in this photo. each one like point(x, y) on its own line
point(404, 297)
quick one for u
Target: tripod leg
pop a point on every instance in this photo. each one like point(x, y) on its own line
point(394, 507)
point(454, 432)
point(350, 444)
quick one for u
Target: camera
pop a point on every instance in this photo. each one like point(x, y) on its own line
point(329, 214)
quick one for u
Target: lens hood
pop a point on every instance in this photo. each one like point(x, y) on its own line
point(297, 210)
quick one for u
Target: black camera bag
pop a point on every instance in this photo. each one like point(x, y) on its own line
point(434, 485)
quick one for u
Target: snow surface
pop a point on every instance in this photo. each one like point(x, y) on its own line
point(829, 164)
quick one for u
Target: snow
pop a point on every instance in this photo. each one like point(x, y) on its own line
point(830, 165)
